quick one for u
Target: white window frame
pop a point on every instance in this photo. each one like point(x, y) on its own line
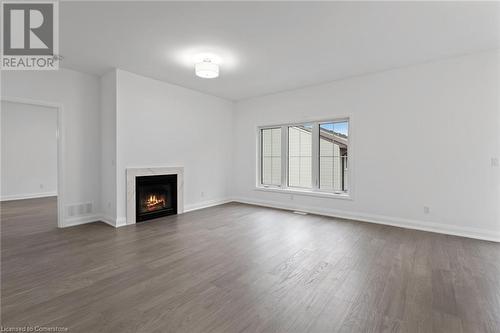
point(259, 159)
point(314, 190)
point(287, 155)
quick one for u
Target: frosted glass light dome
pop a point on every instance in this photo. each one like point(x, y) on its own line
point(206, 69)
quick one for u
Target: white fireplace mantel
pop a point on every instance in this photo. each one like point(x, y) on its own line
point(132, 173)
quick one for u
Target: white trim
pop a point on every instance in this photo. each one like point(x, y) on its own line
point(115, 223)
point(441, 228)
point(28, 196)
point(205, 204)
point(447, 229)
point(74, 221)
point(108, 220)
point(121, 222)
point(306, 192)
point(315, 156)
point(284, 157)
point(79, 220)
point(60, 149)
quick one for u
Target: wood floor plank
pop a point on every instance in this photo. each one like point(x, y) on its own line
point(242, 268)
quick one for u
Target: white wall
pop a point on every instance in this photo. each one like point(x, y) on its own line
point(79, 95)
point(29, 138)
point(420, 136)
point(439, 124)
point(108, 147)
point(160, 124)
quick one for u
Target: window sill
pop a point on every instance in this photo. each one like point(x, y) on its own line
point(311, 193)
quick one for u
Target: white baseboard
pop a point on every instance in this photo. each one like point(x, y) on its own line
point(447, 229)
point(73, 221)
point(115, 223)
point(120, 222)
point(70, 222)
point(205, 204)
point(27, 196)
point(108, 220)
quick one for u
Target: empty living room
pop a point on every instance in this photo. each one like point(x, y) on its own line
point(250, 166)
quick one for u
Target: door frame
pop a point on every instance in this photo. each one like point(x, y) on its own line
point(60, 148)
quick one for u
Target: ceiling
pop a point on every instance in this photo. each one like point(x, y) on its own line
point(268, 47)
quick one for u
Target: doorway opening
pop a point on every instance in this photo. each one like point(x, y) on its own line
point(31, 163)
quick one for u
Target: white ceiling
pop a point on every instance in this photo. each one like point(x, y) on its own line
point(270, 46)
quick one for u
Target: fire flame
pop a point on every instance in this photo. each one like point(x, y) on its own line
point(154, 201)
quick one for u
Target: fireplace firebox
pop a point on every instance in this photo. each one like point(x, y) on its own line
point(156, 196)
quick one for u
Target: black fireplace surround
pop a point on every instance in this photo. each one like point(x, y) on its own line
point(156, 196)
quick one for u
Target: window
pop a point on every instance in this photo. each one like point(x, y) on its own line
point(333, 156)
point(310, 157)
point(299, 156)
point(271, 156)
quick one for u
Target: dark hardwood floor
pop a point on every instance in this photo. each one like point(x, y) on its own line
point(241, 268)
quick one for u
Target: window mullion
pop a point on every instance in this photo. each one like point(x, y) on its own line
point(284, 156)
point(315, 156)
point(260, 158)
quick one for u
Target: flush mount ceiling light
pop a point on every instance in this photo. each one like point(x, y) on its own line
point(206, 66)
point(206, 69)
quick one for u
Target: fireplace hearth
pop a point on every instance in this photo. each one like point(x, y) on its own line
point(156, 196)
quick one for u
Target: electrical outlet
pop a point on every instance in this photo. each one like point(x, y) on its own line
point(41, 186)
point(202, 194)
point(427, 210)
point(494, 162)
